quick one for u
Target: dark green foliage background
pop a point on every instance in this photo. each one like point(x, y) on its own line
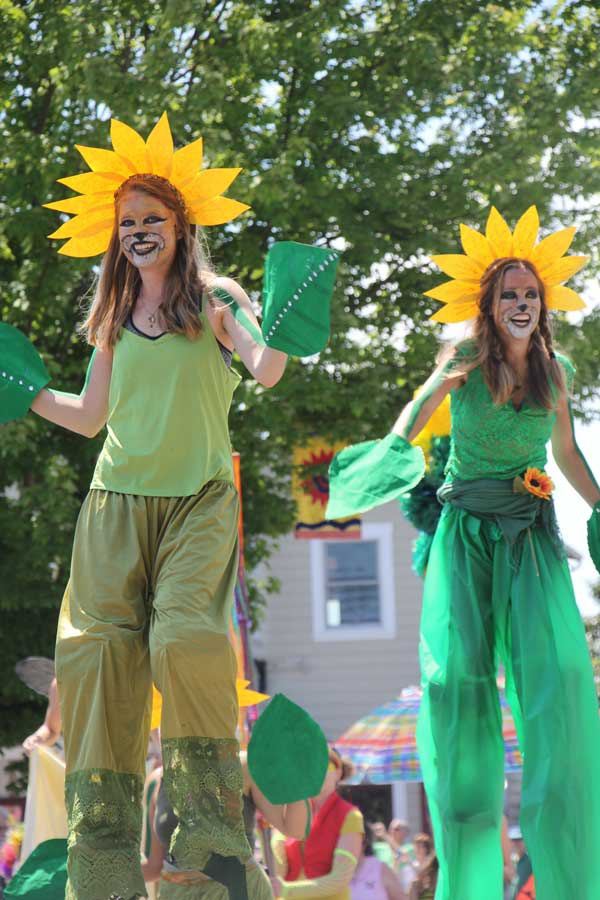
point(385, 122)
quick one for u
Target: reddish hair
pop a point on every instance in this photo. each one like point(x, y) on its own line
point(119, 281)
point(488, 350)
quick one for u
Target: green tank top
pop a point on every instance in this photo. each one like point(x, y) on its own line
point(488, 440)
point(169, 401)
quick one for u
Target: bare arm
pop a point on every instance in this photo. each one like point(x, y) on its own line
point(391, 883)
point(569, 457)
point(84, 413)
point(49, 732)
point(417, 413)
point(290, 819)
point(345, 859)
point(233, 320)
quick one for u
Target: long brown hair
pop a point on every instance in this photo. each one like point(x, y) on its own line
point(118, 283)
point(488, 352)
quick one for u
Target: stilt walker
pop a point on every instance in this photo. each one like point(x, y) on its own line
point(155, 556)
point(498, 586)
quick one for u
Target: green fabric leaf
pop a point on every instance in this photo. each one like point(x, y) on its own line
point(366, 475)
point(43, 875)
point(22, 373)
point(297, 291)
point(287, 753)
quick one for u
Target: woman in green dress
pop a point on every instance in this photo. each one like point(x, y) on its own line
point(498, 587)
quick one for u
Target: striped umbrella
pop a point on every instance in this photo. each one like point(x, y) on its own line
point(383, 744)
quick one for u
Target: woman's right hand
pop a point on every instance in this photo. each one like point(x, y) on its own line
point(43, 737)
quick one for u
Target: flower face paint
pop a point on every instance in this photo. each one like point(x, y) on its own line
point(146, 230)
point(517, 311)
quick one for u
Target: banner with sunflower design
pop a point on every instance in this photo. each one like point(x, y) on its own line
point(310, 488)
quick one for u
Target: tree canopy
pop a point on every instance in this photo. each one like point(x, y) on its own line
point(374, 126)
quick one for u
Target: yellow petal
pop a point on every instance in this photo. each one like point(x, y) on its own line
point(83, 203)
point(217, 211)
point(79, 225)
point(247, 697)
point(476, 246)
point(562, 269)
point(498, 234)
point(560, 297)
point(160, 147)
point(93, 182)
point(209, 184)
point(104, 160)
point(186, 163)
point(450, 291)
point(457, 312)
point(552, 247)
point(129, 144)
point(526, 232)
point(89, 246)
point(458, 266)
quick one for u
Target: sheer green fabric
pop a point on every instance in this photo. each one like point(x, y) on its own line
point(366, 475)
point(498, 590)
point(593, 535)
point(477, 610)
point(203, 778)
point(105, 820)
point(497, 441)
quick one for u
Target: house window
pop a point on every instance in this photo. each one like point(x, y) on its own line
point(353, 586)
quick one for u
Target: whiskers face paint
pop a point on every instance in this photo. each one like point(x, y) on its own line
point(143, 249)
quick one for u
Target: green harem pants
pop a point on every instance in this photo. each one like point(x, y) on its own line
point(479, 608)
point(149, 598)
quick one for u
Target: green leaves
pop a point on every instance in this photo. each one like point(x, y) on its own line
point(372, 127)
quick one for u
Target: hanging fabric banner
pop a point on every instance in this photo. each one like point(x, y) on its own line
point(310, 487)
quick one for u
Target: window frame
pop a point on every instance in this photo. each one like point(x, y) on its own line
point(382, 534)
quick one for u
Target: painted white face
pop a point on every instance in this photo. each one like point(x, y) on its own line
point(147, 230)
point(517, 312)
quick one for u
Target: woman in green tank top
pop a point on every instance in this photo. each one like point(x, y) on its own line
point(498, 589)
point(156, 547)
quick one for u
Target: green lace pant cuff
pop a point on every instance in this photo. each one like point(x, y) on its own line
point(105, 821)
point(203, 780)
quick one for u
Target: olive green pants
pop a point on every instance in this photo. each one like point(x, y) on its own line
point(149, 598)
point(478, 609)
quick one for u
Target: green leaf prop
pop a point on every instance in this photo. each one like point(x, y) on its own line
point(22, 373)
point(287, 753)
point(43, 875)
point(366, 475)
point(593, 535)
point(297, 291)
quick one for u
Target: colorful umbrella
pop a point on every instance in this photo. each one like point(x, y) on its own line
point(383, 745)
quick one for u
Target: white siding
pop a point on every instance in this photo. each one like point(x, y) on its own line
point(340, 681)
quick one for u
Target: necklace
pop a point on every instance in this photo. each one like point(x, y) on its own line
point(150, 316)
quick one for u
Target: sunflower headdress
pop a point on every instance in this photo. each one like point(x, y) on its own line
point(89, 230)
point(461, 295)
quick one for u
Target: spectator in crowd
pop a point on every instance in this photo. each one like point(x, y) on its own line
point(382, 847)
point(373, 879)
point(523, 865)
point(322, 865)
point(425, 883)
point(404, 852)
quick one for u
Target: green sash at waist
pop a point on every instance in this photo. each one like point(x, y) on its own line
point(514, 512)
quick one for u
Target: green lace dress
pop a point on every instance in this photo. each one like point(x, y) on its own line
point(498, 589)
